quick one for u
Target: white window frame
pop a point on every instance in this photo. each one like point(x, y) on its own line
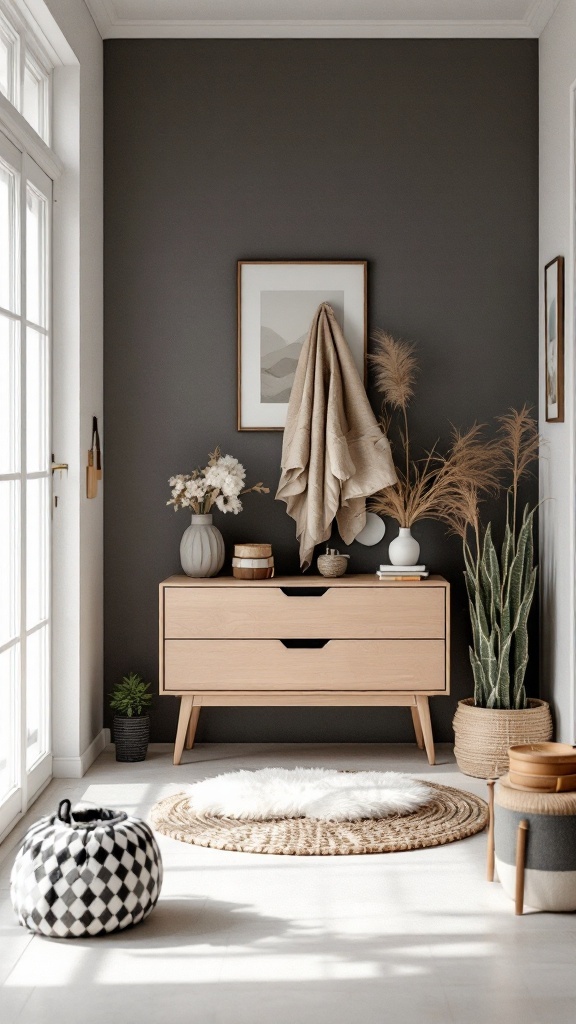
point(74, 49)
point(28, 49)
point(33, 150)
point(12, 37)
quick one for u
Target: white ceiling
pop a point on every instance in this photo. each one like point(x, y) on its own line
point(220, 19)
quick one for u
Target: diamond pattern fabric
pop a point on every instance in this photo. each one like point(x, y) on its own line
point(96, 872)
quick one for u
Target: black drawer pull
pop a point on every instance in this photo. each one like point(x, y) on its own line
point(305, 643)
point(304, 591)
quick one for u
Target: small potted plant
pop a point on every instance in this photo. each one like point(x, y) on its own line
point(130, 700)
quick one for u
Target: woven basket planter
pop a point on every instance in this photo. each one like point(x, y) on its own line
point(131, 737)
point(483, 735)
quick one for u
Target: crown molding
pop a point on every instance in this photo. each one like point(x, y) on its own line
point(539, 15)
point(104, 17)
point(111, 26)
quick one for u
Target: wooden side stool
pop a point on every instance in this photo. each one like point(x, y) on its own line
point(532, 846)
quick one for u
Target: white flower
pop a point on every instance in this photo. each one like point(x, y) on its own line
point(195, 489)
point(215, 475)
point(231, 485)
point(220, 484)
point(231, 463)
point(229, 503)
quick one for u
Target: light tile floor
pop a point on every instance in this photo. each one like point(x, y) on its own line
point(404, 938)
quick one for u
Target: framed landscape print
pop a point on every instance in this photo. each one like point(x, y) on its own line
point(554, 339)
point(276, 303)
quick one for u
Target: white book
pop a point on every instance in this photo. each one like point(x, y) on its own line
point(397, 570)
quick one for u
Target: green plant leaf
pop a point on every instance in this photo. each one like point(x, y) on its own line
point(502, 680)
point(521, 644)
point(479, 678)
point(519, 569)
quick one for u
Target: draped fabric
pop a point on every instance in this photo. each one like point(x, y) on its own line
point(334, 453)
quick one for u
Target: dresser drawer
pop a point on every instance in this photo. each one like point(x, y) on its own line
point(375, 612)
point(247, 665)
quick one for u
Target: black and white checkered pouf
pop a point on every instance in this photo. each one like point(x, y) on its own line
point(85, 872)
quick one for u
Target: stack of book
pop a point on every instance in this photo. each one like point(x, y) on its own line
point(395, 573)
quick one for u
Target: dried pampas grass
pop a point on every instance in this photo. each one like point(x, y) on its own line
point(395, 368)
point(445, 487)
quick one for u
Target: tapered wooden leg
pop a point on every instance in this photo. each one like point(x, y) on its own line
point(417, 728)
point(520, 864)
point(183, 720)
point(192, 725)
point(423, 709)
point(490, 852)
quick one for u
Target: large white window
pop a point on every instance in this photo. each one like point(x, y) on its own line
point(25, 72)
point(25, 448)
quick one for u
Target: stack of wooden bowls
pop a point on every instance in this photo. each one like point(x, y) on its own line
point(543, 767)
point(252, 562)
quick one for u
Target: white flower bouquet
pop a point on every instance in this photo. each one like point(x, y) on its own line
point(220, 483)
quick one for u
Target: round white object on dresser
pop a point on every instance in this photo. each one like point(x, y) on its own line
point(373, 532)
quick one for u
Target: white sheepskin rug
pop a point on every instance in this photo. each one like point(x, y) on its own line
point(307, 793)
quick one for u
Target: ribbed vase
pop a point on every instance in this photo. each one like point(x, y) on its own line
point(202, 548)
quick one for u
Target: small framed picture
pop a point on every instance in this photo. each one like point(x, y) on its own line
point(554, 339)
point(277, 301)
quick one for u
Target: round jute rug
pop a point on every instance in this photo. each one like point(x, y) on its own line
point(451, 814)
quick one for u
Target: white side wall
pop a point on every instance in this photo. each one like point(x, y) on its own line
point(557, 521)
point(78, 378)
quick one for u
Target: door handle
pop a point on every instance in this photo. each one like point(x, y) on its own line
point(56, 466)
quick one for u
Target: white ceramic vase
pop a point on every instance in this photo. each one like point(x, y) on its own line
point(202, 548)
point(404, 549)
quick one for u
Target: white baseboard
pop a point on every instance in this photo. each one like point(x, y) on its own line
point(76, 767)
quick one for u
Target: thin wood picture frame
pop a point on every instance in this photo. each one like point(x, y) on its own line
point(554, 339)
point(276, 302)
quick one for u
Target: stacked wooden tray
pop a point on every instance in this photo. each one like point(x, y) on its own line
point(543, 767)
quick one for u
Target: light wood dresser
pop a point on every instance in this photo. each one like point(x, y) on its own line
point(304, 640)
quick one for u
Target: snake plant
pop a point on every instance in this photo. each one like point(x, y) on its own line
point(500, 593)
point(501, 584)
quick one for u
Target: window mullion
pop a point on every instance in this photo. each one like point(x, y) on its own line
point(23, 470)
point(21, 53)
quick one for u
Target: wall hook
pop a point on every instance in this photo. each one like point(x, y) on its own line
point(94, 467)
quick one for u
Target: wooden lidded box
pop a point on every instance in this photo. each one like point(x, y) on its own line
point(252, 562)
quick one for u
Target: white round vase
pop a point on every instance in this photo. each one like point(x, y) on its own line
point(404, 550)
point(202, 548)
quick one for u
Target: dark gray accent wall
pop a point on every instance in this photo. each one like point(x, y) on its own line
point(420, 156)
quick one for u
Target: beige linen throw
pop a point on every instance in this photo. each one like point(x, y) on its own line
point(334, 453)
